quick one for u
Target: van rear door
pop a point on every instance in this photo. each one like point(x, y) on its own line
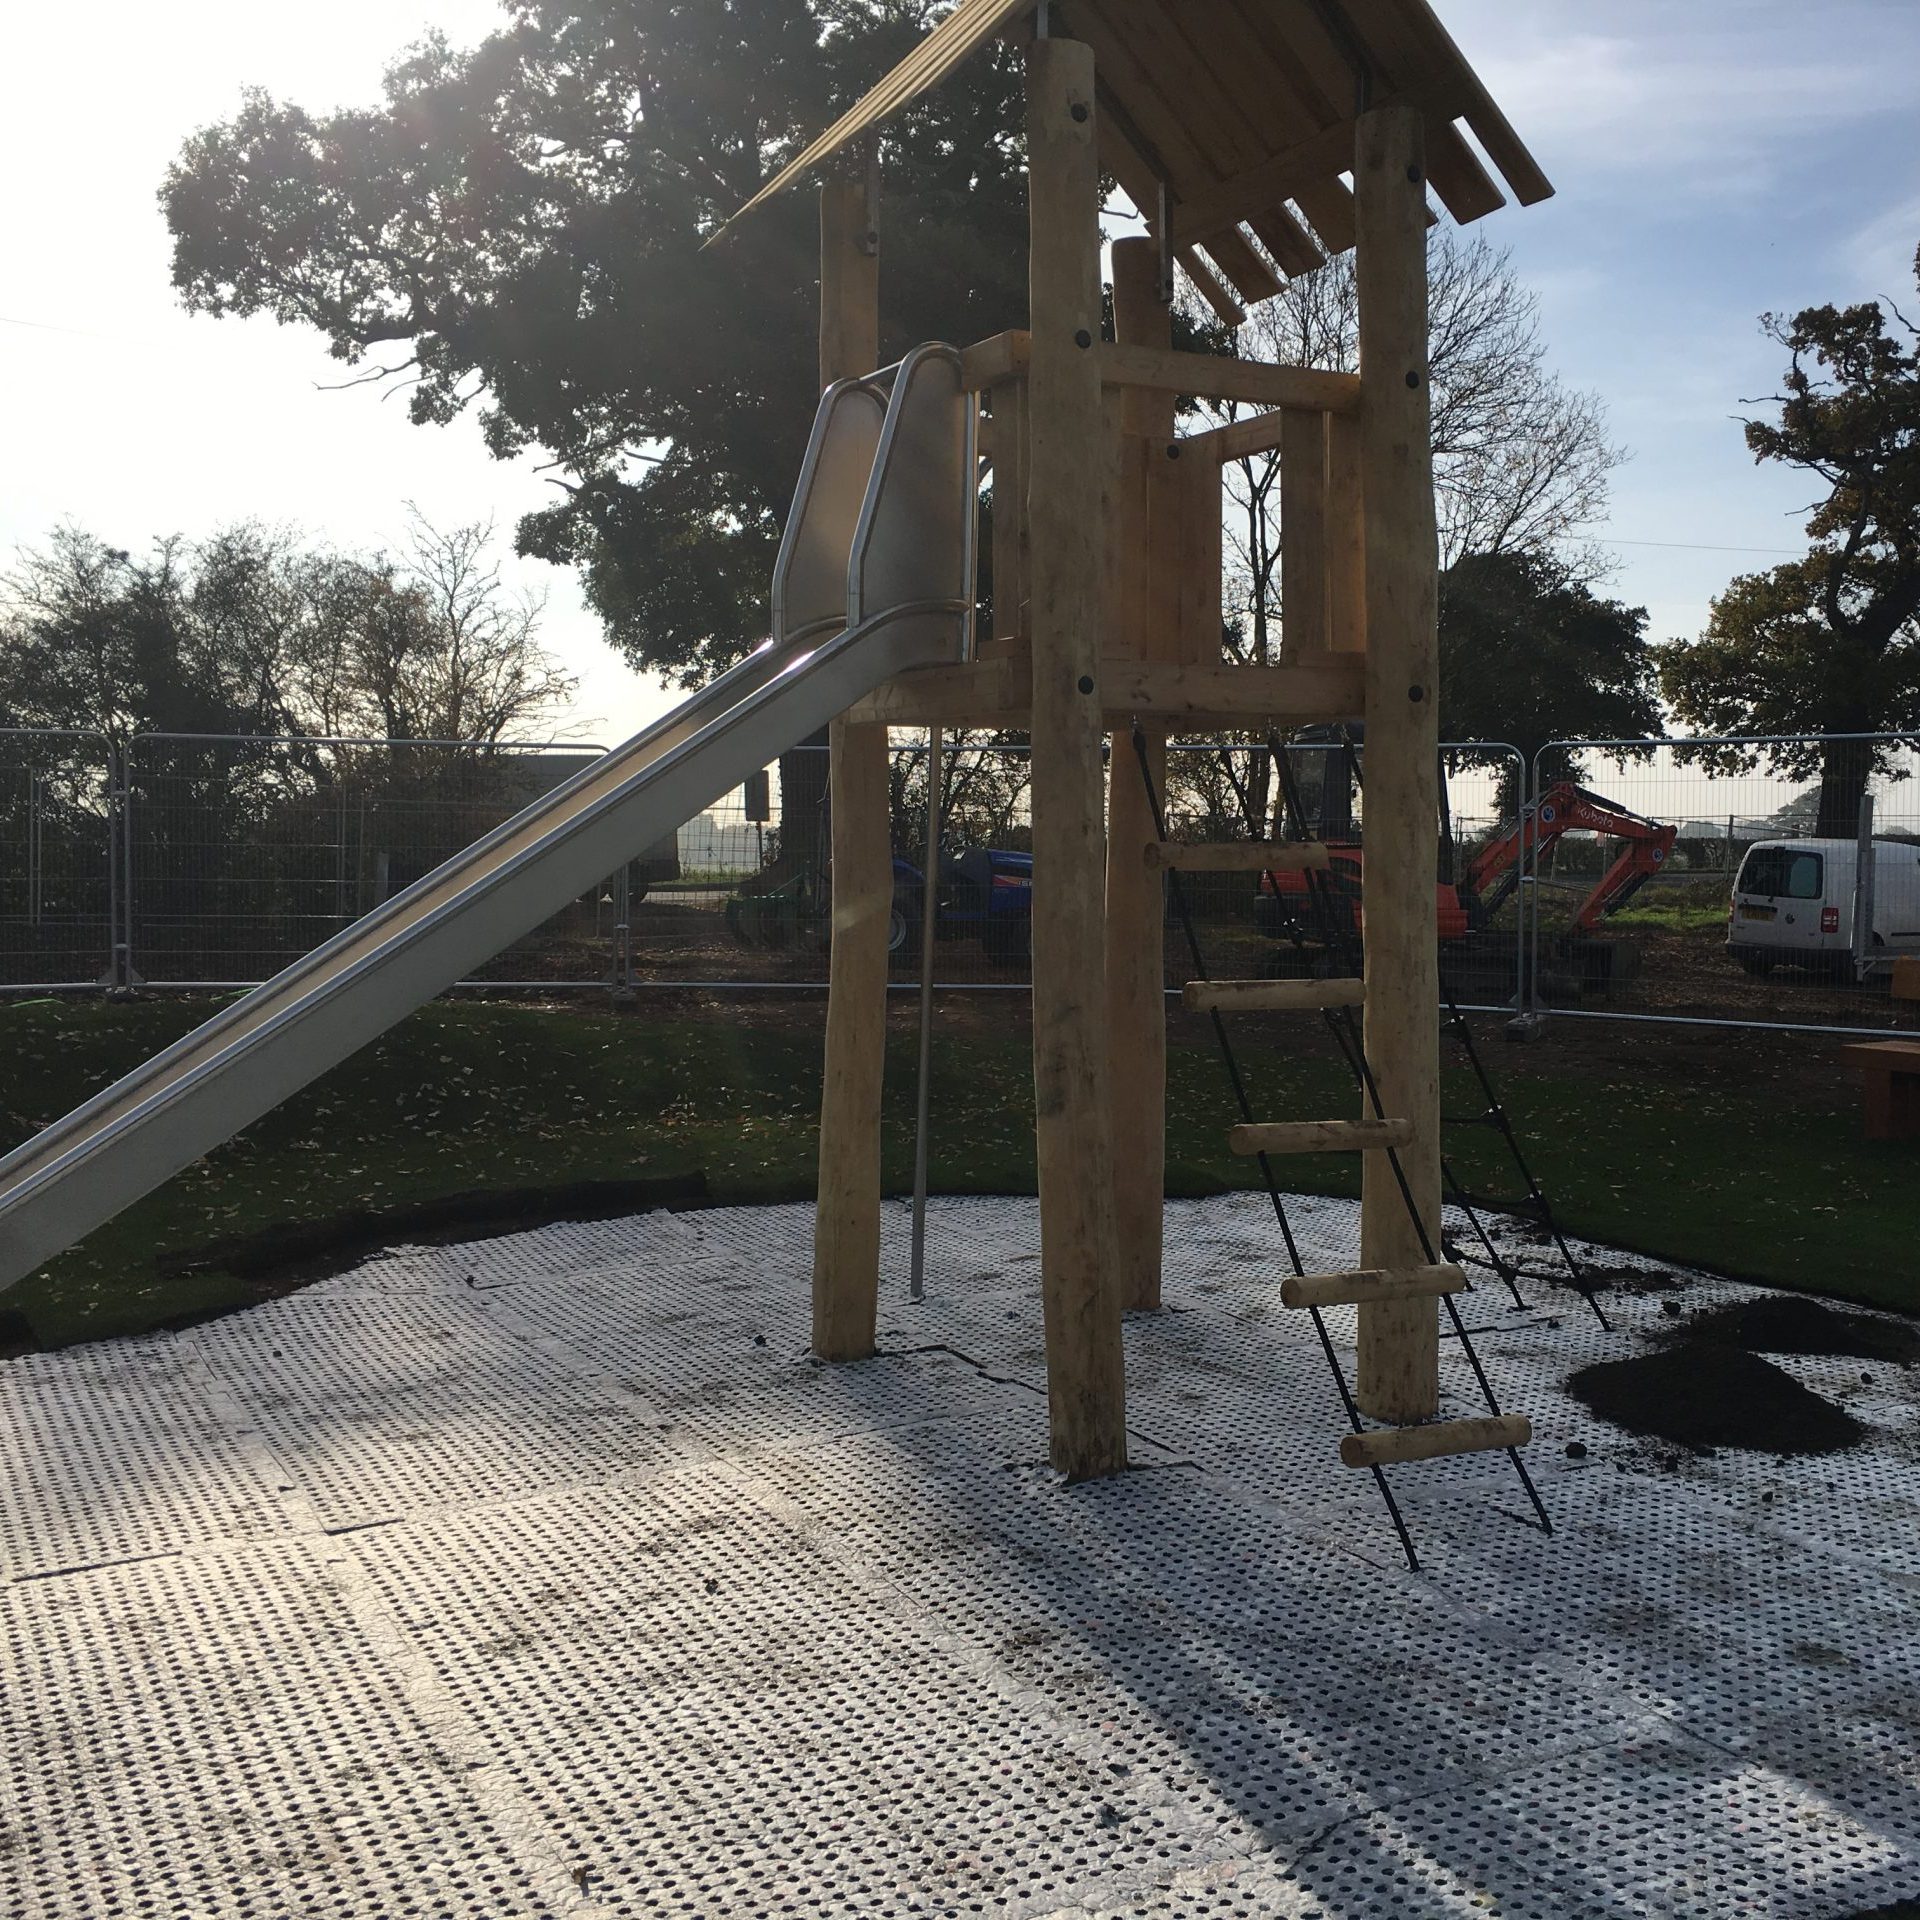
point(1896, 895)
point(1777, 899)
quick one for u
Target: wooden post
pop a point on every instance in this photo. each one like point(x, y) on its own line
point(1086, 1369)
point(846, 1234)
point(1009, 425)
point(1304, 626)
point(1346, 539)
point(1399, 1340)
point(1136, 960)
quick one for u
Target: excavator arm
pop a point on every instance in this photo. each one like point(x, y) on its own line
point(1568, 807)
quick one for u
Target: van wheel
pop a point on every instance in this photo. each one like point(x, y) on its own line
point(1756, 964)
point(903, 933)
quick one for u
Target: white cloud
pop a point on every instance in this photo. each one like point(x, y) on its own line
point(1714, 99)
point(1880, 254)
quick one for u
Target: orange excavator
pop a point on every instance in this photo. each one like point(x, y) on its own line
point(1568, 807)
point(1288, 908)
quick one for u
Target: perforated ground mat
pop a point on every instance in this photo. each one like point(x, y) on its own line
point(547, 1576)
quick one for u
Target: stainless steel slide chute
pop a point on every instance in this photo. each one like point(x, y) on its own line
point(863, 492)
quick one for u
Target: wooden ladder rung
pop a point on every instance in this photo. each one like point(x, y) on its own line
point(1389, 1446)
point(1271, 996)
point(1366, 1284)
point(1236, 856)
point(1321, 1136)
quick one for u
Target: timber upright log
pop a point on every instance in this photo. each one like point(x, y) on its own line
point(1141, 620)
point(1080, 1283)
point(846, 1245)
point(1399, 1361)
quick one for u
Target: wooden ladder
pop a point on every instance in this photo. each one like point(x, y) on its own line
point(1370, 1448)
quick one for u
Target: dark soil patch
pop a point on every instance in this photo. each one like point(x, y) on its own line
point(1623, 1278)
point(1702, 1395)
point(1784, 1324)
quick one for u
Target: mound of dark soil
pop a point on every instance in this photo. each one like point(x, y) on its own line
point(1703, 1395)
point(1785, 1323)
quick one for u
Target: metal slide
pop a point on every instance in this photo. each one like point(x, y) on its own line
point(875, 576)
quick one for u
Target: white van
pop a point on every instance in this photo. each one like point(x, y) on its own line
point(1793, 903)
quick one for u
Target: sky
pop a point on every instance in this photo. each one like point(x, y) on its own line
point(1713, 160)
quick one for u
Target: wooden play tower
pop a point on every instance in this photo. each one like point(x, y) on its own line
point(1256, 137)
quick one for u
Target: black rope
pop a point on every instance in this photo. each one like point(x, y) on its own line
point(1457, 1195)
point(1197, 958)
point(1344, 1017)
point(1496, 1112)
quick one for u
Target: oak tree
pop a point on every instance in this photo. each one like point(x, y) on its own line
point(1827, 644)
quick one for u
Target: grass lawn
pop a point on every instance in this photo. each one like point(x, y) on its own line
point(1676, 916)
point(1637, 1146)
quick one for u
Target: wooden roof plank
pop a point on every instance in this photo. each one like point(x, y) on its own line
point(1212, 289)
point(1320, 71)
point(1469, 190)
point(1292, 247)
point(1306, 79)
point(1328, 205)
point(1387, 33)
point(969, 26)
point(1183, 73)
point(1239, 107)
point(1278, 112)
point(1266, 114)
point(1490, 126)
point(1113, 57)
point(1320, 156)
point(1249, 276)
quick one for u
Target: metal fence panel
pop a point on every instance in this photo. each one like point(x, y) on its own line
point(750, 906)
point(243, 854)
point(215, 861)
point(56, 859)
point(1674, 951)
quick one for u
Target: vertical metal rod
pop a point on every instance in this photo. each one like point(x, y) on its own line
point(115, 828)
point(1530, 880)
point(623, 929)
point(36, 787)
point(1864, 878)
point(870, 241)
point(124, 965)
point(1520, 891)
point(929, 928)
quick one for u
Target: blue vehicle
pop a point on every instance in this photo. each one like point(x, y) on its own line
point(986, 894)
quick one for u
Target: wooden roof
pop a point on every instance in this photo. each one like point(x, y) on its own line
point(1244, 109)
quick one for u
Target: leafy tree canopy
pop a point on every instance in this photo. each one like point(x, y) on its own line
point(517, 228)
point(1530, 654)
point(1828, 643)
point(251, 632)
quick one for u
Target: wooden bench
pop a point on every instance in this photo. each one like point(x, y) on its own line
point(1892, 1072)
